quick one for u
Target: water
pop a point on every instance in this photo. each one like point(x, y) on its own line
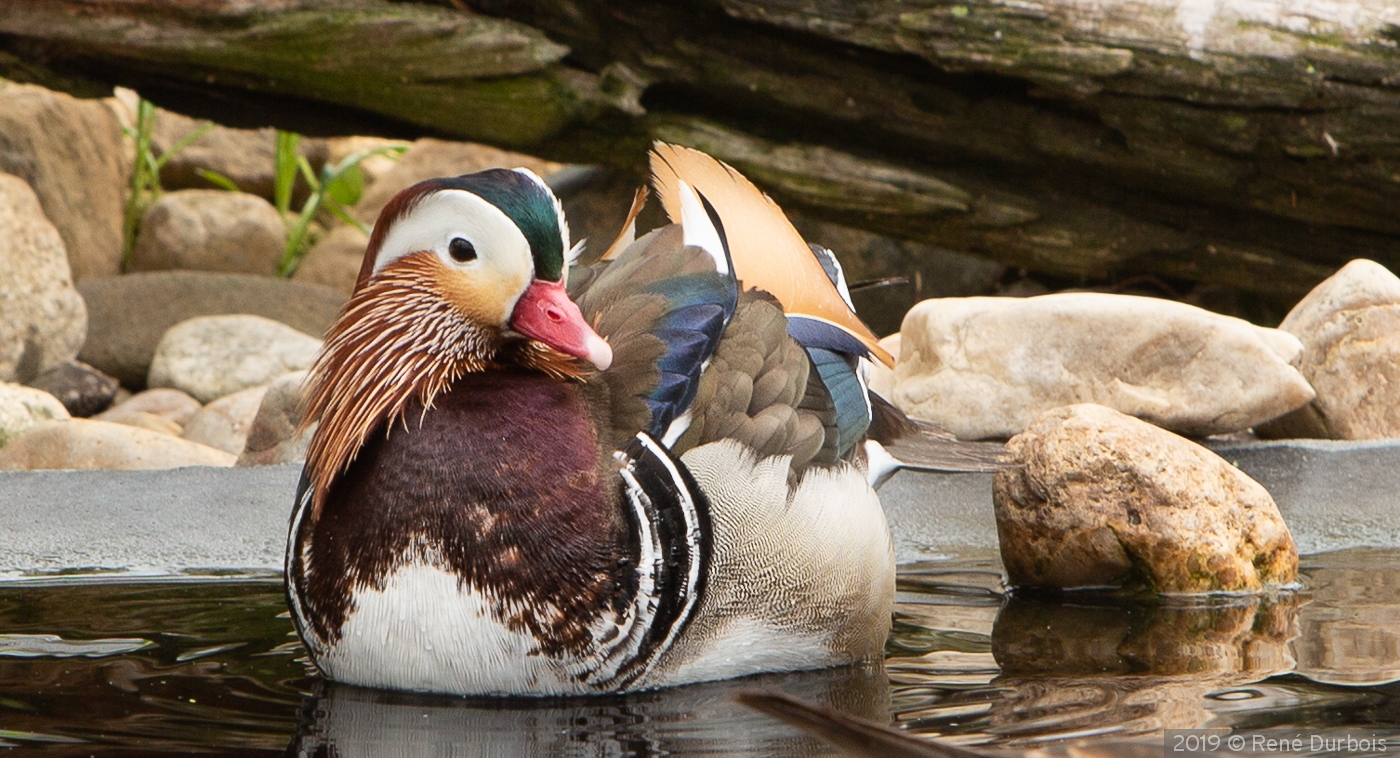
point(209, 666)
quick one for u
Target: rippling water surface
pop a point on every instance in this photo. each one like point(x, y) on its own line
point(209, 666)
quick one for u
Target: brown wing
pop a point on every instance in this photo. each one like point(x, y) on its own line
point(628, 302)
point(754, 388)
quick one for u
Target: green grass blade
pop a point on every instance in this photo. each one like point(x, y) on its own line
point(182, 143)
point(286, 170)
point(217, 179)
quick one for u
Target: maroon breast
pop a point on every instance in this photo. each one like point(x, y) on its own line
point(502, 481)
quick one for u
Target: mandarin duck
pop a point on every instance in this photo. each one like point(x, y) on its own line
point(644, 473)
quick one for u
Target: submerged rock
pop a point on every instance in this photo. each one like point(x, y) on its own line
point(273, 438)
point(129, 314)
point(1349, 326)
point(225, 423)
point(1099, 636)
point(1103, 499)
point(985, 366)
point(82, 389)
point(213, 356)
point(211, 230)
point(42, 318)
point(23, 407)
point(89, 444)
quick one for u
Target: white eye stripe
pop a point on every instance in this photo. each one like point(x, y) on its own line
point(503, 254)
point(446, 214)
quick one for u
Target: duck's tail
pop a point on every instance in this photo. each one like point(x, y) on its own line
point(895, 441)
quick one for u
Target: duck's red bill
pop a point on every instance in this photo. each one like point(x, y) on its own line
point(546, 313)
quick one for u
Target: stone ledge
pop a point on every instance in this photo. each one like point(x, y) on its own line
point(1334, 495)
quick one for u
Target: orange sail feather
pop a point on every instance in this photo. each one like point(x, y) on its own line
point(767, 251)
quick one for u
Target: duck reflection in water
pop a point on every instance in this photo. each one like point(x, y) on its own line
point(703, 719)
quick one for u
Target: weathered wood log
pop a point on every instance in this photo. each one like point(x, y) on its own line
point(1255, 146)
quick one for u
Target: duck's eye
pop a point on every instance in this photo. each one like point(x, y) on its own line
point(461, 250)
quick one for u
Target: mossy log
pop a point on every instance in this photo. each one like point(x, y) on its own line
point(1252, 146)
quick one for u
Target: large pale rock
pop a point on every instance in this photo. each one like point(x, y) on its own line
point(42, 318)
point(431, 158)
point(23, 407)
point(1101, 498)
point(211, 230)
point(72, 153)
point(985, 366)
point(82, 389)
point(1349, 326)
point(89, 444)
point(274, 438)
point(169, 404)
point(334, 261)
point(129, 314)
point(213, 356)
point(225, 423)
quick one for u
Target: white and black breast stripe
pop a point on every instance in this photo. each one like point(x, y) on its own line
point(295, 561)
point(670, 519)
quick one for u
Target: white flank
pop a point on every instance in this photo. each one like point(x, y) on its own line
point(697, 228)
point(424, 631)
point(749, 646)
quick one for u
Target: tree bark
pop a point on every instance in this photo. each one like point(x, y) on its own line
point(1252, 146)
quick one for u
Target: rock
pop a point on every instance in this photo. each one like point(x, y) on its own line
point(1349, 326)
point(72, 153)
point(23, 407)
point(141, 420)
point(129, 314)
point(42, 318)
point(985, 366)
point(89, 444)
point(82, 389)
point(225, 423)
point(247, 157)
point(1103, 499)
point(274, 437)
point(879, 377)
point(371, 168)
point(211, 230)
point(334, 261)
point(169, 404)
point(430, 158)
point(213, 356)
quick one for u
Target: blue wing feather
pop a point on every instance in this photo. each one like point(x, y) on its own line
point(701, 306)
point(839, 373)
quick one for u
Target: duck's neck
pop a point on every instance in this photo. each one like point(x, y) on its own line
point(398, 342)
point(501, 483)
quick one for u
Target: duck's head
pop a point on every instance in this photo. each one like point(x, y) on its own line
point(494, 247)
point(460, 275)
